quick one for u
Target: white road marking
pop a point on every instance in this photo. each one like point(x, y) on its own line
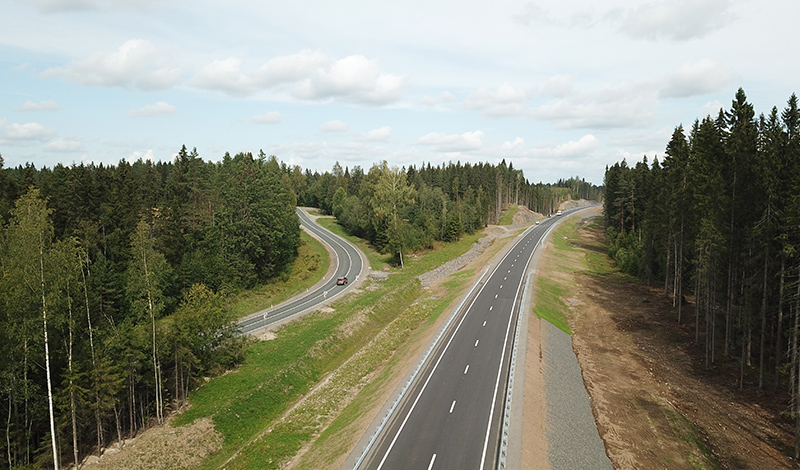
point(452, 406)
point(476, 342)
point(466, 370)
point(495, 296)
point(433, 459)
point(484, 323)
point(490, 308)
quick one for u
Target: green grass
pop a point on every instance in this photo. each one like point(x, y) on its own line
point(247, 402)
point(507, 218)
point(310, 266)
point(549, 305)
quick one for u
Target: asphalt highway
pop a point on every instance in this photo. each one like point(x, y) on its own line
point(349, 263)
point(451, 415)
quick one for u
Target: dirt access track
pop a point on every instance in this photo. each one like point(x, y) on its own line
point(654, 405)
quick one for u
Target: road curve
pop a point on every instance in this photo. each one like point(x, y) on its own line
point(450, 417)
point(349, 262)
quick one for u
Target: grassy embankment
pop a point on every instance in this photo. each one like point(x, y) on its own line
point(353, 347)
point(507, 218)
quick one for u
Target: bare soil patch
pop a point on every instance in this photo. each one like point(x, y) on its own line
point(161, 447)
point(654, 404)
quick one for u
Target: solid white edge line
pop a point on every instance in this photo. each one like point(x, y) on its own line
point(441, 356)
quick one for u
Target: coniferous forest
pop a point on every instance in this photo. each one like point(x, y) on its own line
point(717, 223)
point(114, 278)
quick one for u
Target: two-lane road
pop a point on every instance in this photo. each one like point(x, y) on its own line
point(349, 263)
point(450, 417)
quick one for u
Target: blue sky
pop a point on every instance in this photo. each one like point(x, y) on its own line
point(558, 89)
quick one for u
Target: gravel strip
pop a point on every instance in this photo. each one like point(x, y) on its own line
point(572, 438)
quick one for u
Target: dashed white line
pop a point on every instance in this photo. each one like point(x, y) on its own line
point(433, 459)
point(495, 296)
point(491, 307)
point(452, 406)
point(466, 370)
point(476, 342)
point(484, 323)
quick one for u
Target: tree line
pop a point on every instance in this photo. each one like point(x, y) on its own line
point(114, 277)
point(112, 294)
point(407, 209)
point(719, 219)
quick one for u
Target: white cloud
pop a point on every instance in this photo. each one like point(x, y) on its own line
point(354, 79)
point(52, 6)
point(504, 101)
point(66, 6)
point(441, 142)
point(136, 64)
point(45, 105)
point(28, 132)
point(65, 146)
point(161, 108)
point(698, 78)
point(618, 106)
point(306, 75)
point(271, 117)
point(333, 126)
point(21, 67)
point(145, 156)
point(710, 109)
point(381, 134)
point(558, 86)
point(677, 20)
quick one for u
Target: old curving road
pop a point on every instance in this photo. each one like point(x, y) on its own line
point(349, 262)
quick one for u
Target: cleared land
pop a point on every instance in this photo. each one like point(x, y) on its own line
point(654, 404)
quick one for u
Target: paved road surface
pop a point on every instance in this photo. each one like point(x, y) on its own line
point(349, 262)
point(450, 417)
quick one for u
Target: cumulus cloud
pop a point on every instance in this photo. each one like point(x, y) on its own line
point(697, 78)
point(272, 117)
point(624, 105)
point(161, 108)
point(306, 75)
point(504, 101)
point(65, 146)
point(679, 20)
point(28, 132)
point(334, 125)
point(381, 134)
point(145, 156)
point(441, 142)
point(45, 105)
point(136, 64)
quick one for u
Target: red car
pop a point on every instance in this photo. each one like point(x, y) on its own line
point(341, 281)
